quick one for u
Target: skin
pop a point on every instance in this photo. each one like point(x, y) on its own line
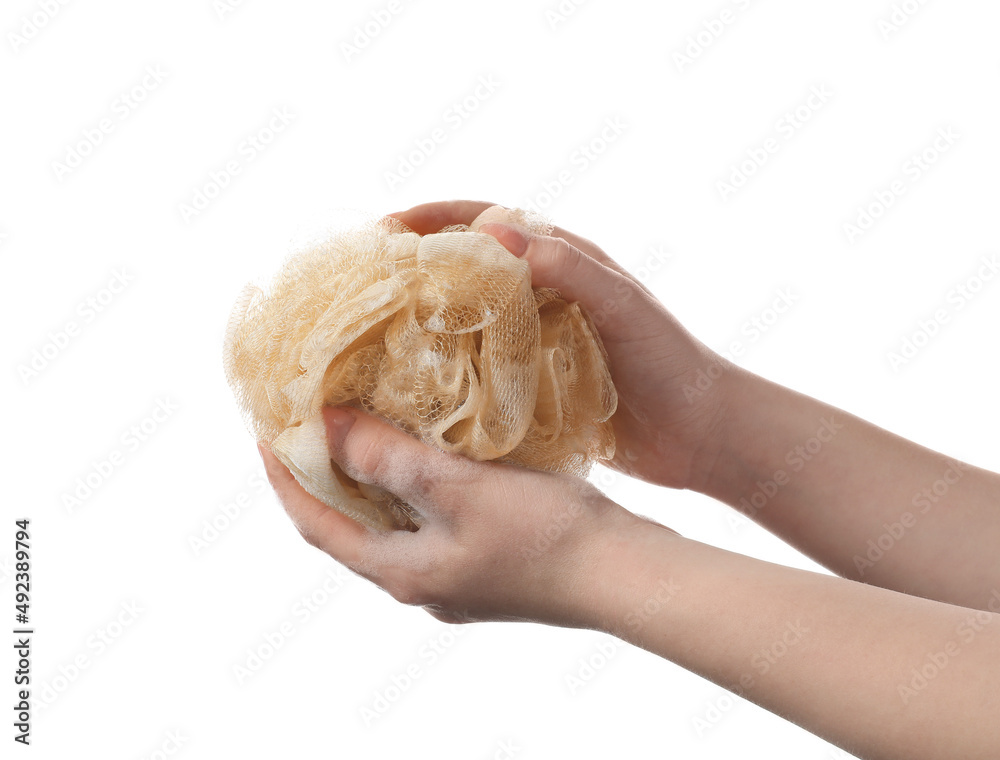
point(902, 665)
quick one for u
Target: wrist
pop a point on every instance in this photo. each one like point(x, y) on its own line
point(626, 574)
point(721, 462)
point(742, 443)
point(757, 432)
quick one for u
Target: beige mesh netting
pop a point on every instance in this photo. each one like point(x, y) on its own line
point(440, 334)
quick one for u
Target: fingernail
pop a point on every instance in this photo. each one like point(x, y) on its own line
point(513, 237)
point(338, 422)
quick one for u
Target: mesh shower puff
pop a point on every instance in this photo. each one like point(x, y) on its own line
point(441, 334)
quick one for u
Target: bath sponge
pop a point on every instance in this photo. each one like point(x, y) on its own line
point(442, 335)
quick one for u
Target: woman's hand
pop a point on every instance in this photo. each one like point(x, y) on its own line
point(498, 542)
point(504, 543)
point(666, 422)
point(810, 473)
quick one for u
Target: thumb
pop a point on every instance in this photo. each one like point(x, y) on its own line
point(556, 263)
point(374, 452)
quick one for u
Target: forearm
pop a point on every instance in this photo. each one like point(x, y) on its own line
point(858, 499)
point(879, 673)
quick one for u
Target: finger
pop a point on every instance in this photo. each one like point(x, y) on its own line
point(591, 249)
point(585, 246)
point(555, 263)
point(428, 218)
point(372, 451)
point(325, 528)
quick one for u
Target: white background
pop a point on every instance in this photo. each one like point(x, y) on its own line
point(354, 117)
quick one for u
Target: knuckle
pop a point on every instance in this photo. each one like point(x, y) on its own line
point(447, 481)
point(560, 250)
point(400, 467)
point(411, 593)
point(429, 587)
point(422, 485)
point(561, 256)
point(371, 458)
point(309, 536)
